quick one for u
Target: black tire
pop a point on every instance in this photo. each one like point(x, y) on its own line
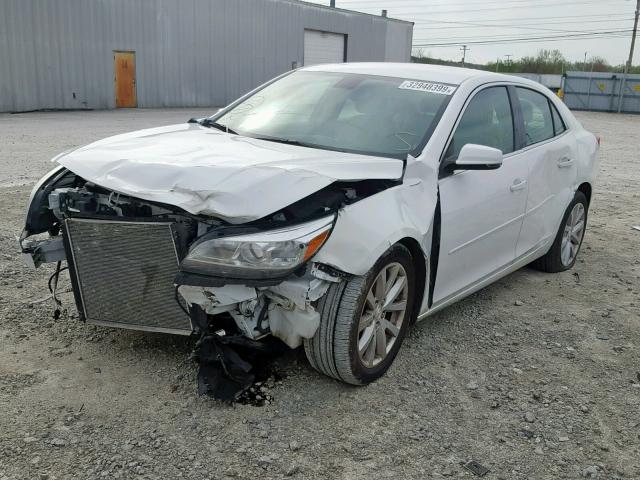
point(333, 350)
point(551, 262)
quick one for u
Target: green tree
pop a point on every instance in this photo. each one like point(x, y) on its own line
point(598, 64)
point(545, 61)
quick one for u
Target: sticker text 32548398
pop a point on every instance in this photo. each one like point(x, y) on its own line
point(429, 87)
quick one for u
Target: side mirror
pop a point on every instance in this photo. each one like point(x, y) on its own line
point(477, 157)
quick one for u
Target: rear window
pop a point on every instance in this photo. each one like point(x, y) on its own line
point(558, 124)
point(538, 122)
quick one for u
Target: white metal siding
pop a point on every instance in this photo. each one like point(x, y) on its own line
point(323, 47)
point(200, 53)
point(397, 37)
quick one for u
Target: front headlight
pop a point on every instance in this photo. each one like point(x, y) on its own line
point(263, 255)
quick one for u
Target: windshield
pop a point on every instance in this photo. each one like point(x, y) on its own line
point(366, 114)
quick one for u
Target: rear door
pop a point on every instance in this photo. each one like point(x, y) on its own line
point(481, 211)
point(550, 156)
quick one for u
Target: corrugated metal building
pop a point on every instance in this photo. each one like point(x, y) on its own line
point(67, 54)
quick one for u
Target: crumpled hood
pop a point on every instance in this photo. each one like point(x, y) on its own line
point(209, 172)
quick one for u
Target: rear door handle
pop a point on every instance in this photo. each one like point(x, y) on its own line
point(565, 162)
point(518, 184)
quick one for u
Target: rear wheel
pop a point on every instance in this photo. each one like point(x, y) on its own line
point(364, 320)
point(564, 251)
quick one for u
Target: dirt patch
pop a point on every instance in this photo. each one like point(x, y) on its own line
point(534, 377)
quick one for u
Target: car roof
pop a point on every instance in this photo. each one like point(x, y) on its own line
point(414, 71)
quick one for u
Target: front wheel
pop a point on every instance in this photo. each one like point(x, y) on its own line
point(364, 321)
point(564, 251)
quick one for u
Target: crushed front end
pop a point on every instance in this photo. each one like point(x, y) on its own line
point(148, 266)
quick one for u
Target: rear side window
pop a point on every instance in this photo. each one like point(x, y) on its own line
point(538, 123)
point(558, 123)
point(487, 121)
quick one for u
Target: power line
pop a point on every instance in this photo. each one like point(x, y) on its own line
point(488, 40)
point(524, 26)
point(503, 6)
point(537, 29)
point(604, 34)
point(374, 9)
point(533, 19)
point(476, 37)
point(421, 3)
point(507, 21)
point(451, 45)
point(514, 41)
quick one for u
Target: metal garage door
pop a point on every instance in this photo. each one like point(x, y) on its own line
point(323, 47)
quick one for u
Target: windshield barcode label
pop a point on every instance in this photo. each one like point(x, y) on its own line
point(428, 87)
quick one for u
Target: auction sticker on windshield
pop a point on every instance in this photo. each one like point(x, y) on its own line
point(427, 87)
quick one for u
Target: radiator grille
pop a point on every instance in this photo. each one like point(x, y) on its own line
point(125, 273)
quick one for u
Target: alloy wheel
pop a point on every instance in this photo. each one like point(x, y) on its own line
point(382, 315)
point(572, 235)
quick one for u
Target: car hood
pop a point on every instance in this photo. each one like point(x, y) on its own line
point(209, 172)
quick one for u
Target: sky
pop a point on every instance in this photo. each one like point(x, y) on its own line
point(512, 27)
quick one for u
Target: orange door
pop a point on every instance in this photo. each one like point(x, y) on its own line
point(124, 65)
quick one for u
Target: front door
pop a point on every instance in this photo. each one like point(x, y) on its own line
point(481, 211)
point(124, 65)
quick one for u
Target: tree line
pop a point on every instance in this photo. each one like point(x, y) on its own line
point(545, 61)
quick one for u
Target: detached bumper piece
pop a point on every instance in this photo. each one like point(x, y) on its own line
point(123, 272)
point(229, 364)
point(35, 253)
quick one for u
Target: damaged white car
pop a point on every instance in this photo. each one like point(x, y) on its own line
point(330, 208)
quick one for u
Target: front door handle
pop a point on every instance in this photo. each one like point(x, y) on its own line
point(518, 184)
point(565, 162)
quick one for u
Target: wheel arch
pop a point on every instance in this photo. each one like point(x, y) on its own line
point(586, 189)
point(420, 264)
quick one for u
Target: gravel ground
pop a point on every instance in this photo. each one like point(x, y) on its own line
point(534, 377)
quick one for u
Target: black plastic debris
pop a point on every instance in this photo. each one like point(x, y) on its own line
point(476, 468)
point(223, 373)
point(229, 364)
point(260, 393)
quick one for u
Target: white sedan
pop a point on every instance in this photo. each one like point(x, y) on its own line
point(331, 207)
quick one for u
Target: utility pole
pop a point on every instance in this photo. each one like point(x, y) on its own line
point(629, 63)
point(509, 61)
point(464, 49)
point(584, 66)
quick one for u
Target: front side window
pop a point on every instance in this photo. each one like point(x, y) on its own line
point(341, 111)
point(538, 124)
point(487, 121)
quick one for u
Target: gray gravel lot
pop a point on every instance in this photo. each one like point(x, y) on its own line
point(534, 377)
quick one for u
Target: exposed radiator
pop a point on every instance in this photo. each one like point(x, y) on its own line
point(124, 273)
